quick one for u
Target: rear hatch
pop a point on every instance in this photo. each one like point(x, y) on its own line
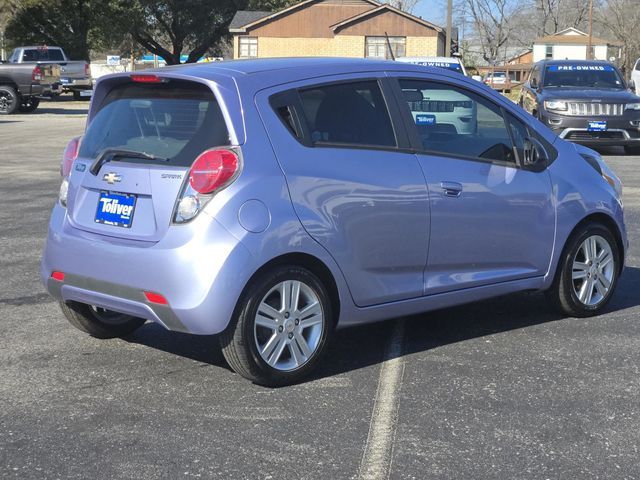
point(136, 153)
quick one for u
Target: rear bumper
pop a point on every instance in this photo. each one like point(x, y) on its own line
point(197, 267)
point(76, 83)
point(34, 90)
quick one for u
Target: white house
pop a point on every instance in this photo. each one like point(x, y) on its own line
point(571, 44)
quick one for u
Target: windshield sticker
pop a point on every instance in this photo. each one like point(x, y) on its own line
point(580, 68)
point(424, 119)
point(450, 66)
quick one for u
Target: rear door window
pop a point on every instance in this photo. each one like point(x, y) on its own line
point(175, 121)
point(352, 113)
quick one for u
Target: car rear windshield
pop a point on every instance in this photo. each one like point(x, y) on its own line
point(582, 76)
point(174, 121)
point(42, 55)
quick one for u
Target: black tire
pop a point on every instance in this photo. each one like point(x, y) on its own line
point(563, 291)
point(76, 95)
point(239, 345)
point(28, 105)
point(9, 100)
point(632, 149)
point(98, 322)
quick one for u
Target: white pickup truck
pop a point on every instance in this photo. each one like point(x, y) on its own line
point(75, 76)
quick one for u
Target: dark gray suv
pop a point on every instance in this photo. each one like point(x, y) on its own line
point(585, 102)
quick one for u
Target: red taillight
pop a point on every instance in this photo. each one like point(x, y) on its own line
point(146, 78)
point(156, 298)
point(59, 276)
point(87, 70)
point(212, 170)
point(36, 75)
point(69, 155)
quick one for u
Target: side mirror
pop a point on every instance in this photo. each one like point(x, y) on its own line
point(535, 155)
point(533, 83)
point(477, 78)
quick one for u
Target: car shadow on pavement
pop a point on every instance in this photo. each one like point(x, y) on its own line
point(201, 348)
point(360, 347)
point(457, 324)
point(59, 111)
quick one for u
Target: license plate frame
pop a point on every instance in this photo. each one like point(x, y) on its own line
point(124, 218)
point(425, 119)
point(597, 126)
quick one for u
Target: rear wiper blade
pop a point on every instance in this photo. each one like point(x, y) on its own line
point(110, 154)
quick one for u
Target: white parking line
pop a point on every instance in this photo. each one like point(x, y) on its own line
point(376, 461)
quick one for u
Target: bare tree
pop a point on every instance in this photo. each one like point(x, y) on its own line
point(493, 25)
point(8, 9)
point(404, 5)
point(620, 19)
point(556, 15)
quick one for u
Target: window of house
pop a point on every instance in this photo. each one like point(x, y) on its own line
point(348, 113)
point(456, 122)
point(377, 47)
point(548, 52)
point(248, 47)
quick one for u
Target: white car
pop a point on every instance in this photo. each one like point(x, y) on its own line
point(450, 63)
point(496, 78)
point(447, 109)
point(635, 77)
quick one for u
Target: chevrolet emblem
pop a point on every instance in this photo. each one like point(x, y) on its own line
point(111, 178)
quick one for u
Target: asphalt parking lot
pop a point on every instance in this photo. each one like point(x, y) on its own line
point(502, 389)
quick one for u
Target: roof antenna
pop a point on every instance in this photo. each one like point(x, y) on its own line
point(393, 57)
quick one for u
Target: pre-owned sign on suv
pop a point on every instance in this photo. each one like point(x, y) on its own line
point(584, 101)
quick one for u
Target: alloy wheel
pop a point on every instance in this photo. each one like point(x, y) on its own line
point(6, 102)
point(593, 270)
point(288, 325)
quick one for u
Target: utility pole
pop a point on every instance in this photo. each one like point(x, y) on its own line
point(447, 47)
point(590, 45)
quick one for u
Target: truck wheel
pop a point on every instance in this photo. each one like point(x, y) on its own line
point(9, 100)
point(281, 327)
point(28, 105)
point(99, 322)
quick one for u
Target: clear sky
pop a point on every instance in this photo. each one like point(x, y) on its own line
point(434, 11)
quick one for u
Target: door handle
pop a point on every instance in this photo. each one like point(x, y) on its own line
point(451, 189)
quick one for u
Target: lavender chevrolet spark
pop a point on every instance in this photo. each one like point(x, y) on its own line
point(271, 201)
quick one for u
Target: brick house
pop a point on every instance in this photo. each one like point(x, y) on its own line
point(336, 28)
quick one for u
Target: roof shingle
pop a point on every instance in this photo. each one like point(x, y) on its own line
point(243, 17)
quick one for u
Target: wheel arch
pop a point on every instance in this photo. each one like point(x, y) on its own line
point(608, 222)
point(7, 82)
point(311, 263)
